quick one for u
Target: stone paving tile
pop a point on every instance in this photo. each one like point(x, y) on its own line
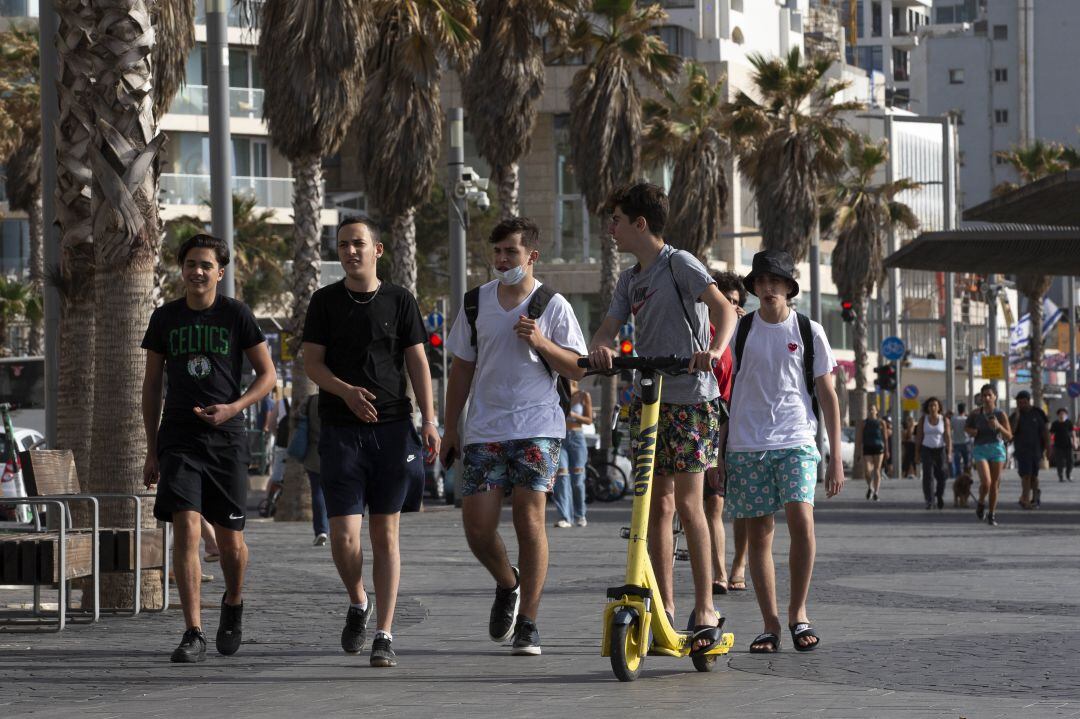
point(922, 614)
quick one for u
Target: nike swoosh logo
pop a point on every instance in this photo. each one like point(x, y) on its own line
point(410, 458)
point(233, 516)
point(638, 305)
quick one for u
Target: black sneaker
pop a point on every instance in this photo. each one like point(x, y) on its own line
point(354, 634)
point(980, 508)
point(990, 519)
point(941, 503)
point(504, 610)
point(526, 638)
point(192, 648)
point(382, 654)
point(229, 629)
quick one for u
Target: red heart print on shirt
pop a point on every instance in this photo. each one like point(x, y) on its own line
point(792, 346)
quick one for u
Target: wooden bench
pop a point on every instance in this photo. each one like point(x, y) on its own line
point(57, 553)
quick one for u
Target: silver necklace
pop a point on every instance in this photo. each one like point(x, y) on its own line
point(363, 302)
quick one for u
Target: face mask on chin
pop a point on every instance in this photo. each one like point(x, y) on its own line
point(512, 276)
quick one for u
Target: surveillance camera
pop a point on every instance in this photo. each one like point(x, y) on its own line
point(468, 174)
point(483, 201)
point(482, 182)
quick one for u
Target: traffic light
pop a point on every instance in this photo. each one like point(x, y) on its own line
point(626, 348)
point(886, 377)
point(435, 350)
point(847, 311)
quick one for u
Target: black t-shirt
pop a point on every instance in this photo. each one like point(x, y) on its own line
point(204, 356)
point(365, 346)
point(1028, 436)
point(1062, 434)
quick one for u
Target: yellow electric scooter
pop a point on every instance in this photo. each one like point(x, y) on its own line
point(635, 621)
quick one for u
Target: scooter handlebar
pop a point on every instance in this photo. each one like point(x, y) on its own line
point(668, 365)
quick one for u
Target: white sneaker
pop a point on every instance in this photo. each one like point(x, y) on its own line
point(562, 524)
point(320, 541)
point(582, 522)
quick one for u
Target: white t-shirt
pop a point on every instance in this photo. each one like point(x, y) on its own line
point(933, 435)
point(513, 395)
point(770, 403)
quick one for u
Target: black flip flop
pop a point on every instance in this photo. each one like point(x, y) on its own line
point(711, 632)
point(719, 588)
point(803, 629)
point(766, 638)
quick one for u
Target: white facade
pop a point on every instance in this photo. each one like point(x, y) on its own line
point(1008, 77)
point(886, 33)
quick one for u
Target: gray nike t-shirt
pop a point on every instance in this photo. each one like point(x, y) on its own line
point(661, 327)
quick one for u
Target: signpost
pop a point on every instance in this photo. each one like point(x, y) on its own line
point(911, 392)
point(1074, 389)
point(993, 367)
point(892, 348)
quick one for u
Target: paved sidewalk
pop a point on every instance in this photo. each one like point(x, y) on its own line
point(922, 614)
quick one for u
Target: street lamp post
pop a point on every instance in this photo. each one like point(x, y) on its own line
point(217, 54)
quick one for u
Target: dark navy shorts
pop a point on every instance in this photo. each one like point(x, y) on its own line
point(371, 468)
point(1027, 463)
point(204, 471)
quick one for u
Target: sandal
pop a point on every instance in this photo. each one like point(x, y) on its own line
point(719, 588)
point(736, 585)
point(800, 630)
point(212, 557)
point(766, 638)
point(710, 632)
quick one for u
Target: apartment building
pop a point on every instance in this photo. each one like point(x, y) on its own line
point(882, 36)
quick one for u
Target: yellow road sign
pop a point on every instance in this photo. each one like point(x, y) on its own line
point(993, 367)
point(286, 350)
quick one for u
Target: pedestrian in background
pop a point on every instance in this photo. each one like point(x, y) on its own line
point(989, 427)
point(933, 443)
point(1064, 444)
point(961, 442)
point(1031, 443)
point(569, 491)
point(873, 437)
point(907, 451)
point(319, 522)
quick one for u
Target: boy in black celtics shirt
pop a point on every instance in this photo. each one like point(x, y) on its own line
point(198, 456)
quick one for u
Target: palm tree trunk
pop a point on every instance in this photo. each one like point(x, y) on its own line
point(609, 277)
point(37, 272)
point(295, 502)
point(403, 250)
point(75, 381)
point(1035, 310)
point(507, 177)
point(126, 239)
point(857, 407)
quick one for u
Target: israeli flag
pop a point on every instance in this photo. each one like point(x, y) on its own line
point(1020, 333)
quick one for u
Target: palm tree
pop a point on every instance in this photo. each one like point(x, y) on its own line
point(503, 87)
point(790, 143)
point(17, 303)
point(687, 128)
point(311, 56)
point(617, 37)
point(1034, 162)
point(862, 212)
point(400, 117)
point(174, 21)
point(24, 194)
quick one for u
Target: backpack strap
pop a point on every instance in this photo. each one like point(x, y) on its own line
point(471, 306)
point(541, 298)
point(807, 332)
point(742, 331)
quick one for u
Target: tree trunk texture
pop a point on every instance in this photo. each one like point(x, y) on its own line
point(507, 178)
point(126, 240)
point(1035, 309)
point(37, 273)
point(75, 276)
point(858, 397)
point(403, 250)
point(609, 276)
point(295, 502)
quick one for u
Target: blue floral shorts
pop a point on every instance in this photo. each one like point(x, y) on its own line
point(530, 463)
point(761, 483)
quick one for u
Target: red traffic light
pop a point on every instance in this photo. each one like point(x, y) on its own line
point(436, 340)
point(846, 305)
point(626, 348)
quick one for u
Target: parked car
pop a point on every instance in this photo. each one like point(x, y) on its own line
point(847, 447)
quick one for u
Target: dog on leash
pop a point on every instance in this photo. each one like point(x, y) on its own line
point(962, 490)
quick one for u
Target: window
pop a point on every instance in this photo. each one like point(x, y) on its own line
point(870, 58)
point(962, 158)
point(945, 15)
point(875, 19)
point(737, 5)
point(860, 18)
point(956, 76)
point(1001, 74)
point(1001, 32)
point(1001, 117)
point(999, 160)
point(679, 40)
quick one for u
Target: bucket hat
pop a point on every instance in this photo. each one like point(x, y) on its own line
point(775, 262)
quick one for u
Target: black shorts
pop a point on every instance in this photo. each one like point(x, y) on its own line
point(205, 471)
point(377, 467)
point(873, 450)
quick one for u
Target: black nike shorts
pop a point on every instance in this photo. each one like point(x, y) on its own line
point(204, 471)
point(371, 468)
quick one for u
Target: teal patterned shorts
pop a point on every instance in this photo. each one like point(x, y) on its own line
point(761, 483)
point(529, 463)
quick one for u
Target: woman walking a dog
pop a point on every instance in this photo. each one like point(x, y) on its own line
point(990, 429)
point(933, 443)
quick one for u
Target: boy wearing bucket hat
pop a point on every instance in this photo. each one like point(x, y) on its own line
point(783, 365)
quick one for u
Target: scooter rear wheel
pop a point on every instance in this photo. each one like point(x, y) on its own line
point(626, 651)
point(705, 663)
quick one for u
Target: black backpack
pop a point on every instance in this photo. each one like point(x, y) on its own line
point(539, 302)
point(743, 331)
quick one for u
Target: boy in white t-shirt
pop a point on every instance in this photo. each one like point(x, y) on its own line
point(772, 456)
point(515, 425)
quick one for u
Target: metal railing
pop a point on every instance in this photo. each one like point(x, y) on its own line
point(194, 100)
point(179, 189)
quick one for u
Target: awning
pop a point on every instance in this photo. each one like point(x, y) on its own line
point(994, 249)
point(1050, 201)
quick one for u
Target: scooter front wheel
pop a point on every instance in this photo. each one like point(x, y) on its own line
point(626, 651)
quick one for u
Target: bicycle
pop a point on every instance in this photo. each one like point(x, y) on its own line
point(635, 622)
point(605, 481)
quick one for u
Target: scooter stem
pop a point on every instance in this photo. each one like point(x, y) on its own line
point(637, 552)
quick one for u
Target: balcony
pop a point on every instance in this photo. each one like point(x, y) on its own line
point(195, 100)
point(234, 14)
point(177, 189)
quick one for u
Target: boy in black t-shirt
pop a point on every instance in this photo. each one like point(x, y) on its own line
point(360, 335)
point(198, 456)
